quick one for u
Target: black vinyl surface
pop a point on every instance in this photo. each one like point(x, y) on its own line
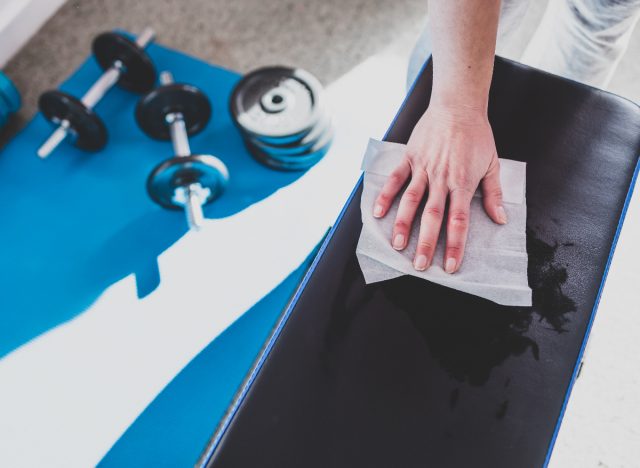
point(406, 373)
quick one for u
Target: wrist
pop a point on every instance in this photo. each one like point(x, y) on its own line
point(458, 112)
point(461, 94)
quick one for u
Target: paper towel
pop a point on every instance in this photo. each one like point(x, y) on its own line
point(495, 261)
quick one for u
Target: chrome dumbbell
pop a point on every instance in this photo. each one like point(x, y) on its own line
point(125, 63)
point(186, 181)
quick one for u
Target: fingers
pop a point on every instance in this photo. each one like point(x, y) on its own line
point(457, 228)
point(432, 217)
point(391, 188)
point(407, 209)
point(430, 226)
point(492, 194)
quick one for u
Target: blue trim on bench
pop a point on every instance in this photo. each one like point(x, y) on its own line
point(224, 426)
point(576, 368)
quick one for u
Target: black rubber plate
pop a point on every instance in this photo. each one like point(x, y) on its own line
point(292, 162)
point(139, 74)
point(188, 100)
point(88, 128)
point(207, 170)
point(276, 102)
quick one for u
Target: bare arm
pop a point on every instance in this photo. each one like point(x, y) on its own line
point(464, 44)
point(451, 150)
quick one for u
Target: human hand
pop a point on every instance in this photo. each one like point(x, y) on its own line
point(450, 152)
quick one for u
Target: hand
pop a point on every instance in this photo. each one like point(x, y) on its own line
point(450, 152)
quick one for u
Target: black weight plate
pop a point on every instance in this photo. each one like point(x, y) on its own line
point(297, 162)
point(188, 100)
point(88, 129)
point(296, 147)
point(139, 74)
point(276, 102)
point(181, 171)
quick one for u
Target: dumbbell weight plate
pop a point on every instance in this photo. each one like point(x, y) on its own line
point(206, 170)
point(85, 125)
point(188, 100)
point(139, 74)
point(293, 162)
point(296, 147)
point(277, 102)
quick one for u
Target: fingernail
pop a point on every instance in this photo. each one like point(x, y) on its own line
point(377, 211)
point(502, 215)
point(420, 263)
point(450, 266)
point(398, 242)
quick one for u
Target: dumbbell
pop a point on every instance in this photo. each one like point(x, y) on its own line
point(125, 63)
point(186, 181)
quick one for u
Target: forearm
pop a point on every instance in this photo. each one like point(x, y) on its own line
point(464, 42)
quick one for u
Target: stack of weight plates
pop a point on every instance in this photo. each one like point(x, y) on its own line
point(9, 99)
point(280, 115)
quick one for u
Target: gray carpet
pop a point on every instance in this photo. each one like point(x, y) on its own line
point(326, 37)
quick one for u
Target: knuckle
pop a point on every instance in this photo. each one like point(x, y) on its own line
point(425, 246)
point(495, 192)
point(454, 250)
point(401, 225)
point(463, 193)
point(412, 196)
point(385, 198)
point(396, 179)
point(437, 173)
point(459, 218)
point(439, 170)
point(433, 211)
point(462, 179)
point(411, 155)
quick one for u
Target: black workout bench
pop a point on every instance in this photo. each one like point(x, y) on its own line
point(406, 373)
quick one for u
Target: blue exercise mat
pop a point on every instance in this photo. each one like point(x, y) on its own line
point(78, 222)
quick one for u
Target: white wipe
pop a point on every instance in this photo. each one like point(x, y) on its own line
point(495, 259)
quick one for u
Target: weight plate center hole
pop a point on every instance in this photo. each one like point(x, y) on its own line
point(276, 100)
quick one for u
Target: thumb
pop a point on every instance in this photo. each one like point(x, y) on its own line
point(492, 194)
